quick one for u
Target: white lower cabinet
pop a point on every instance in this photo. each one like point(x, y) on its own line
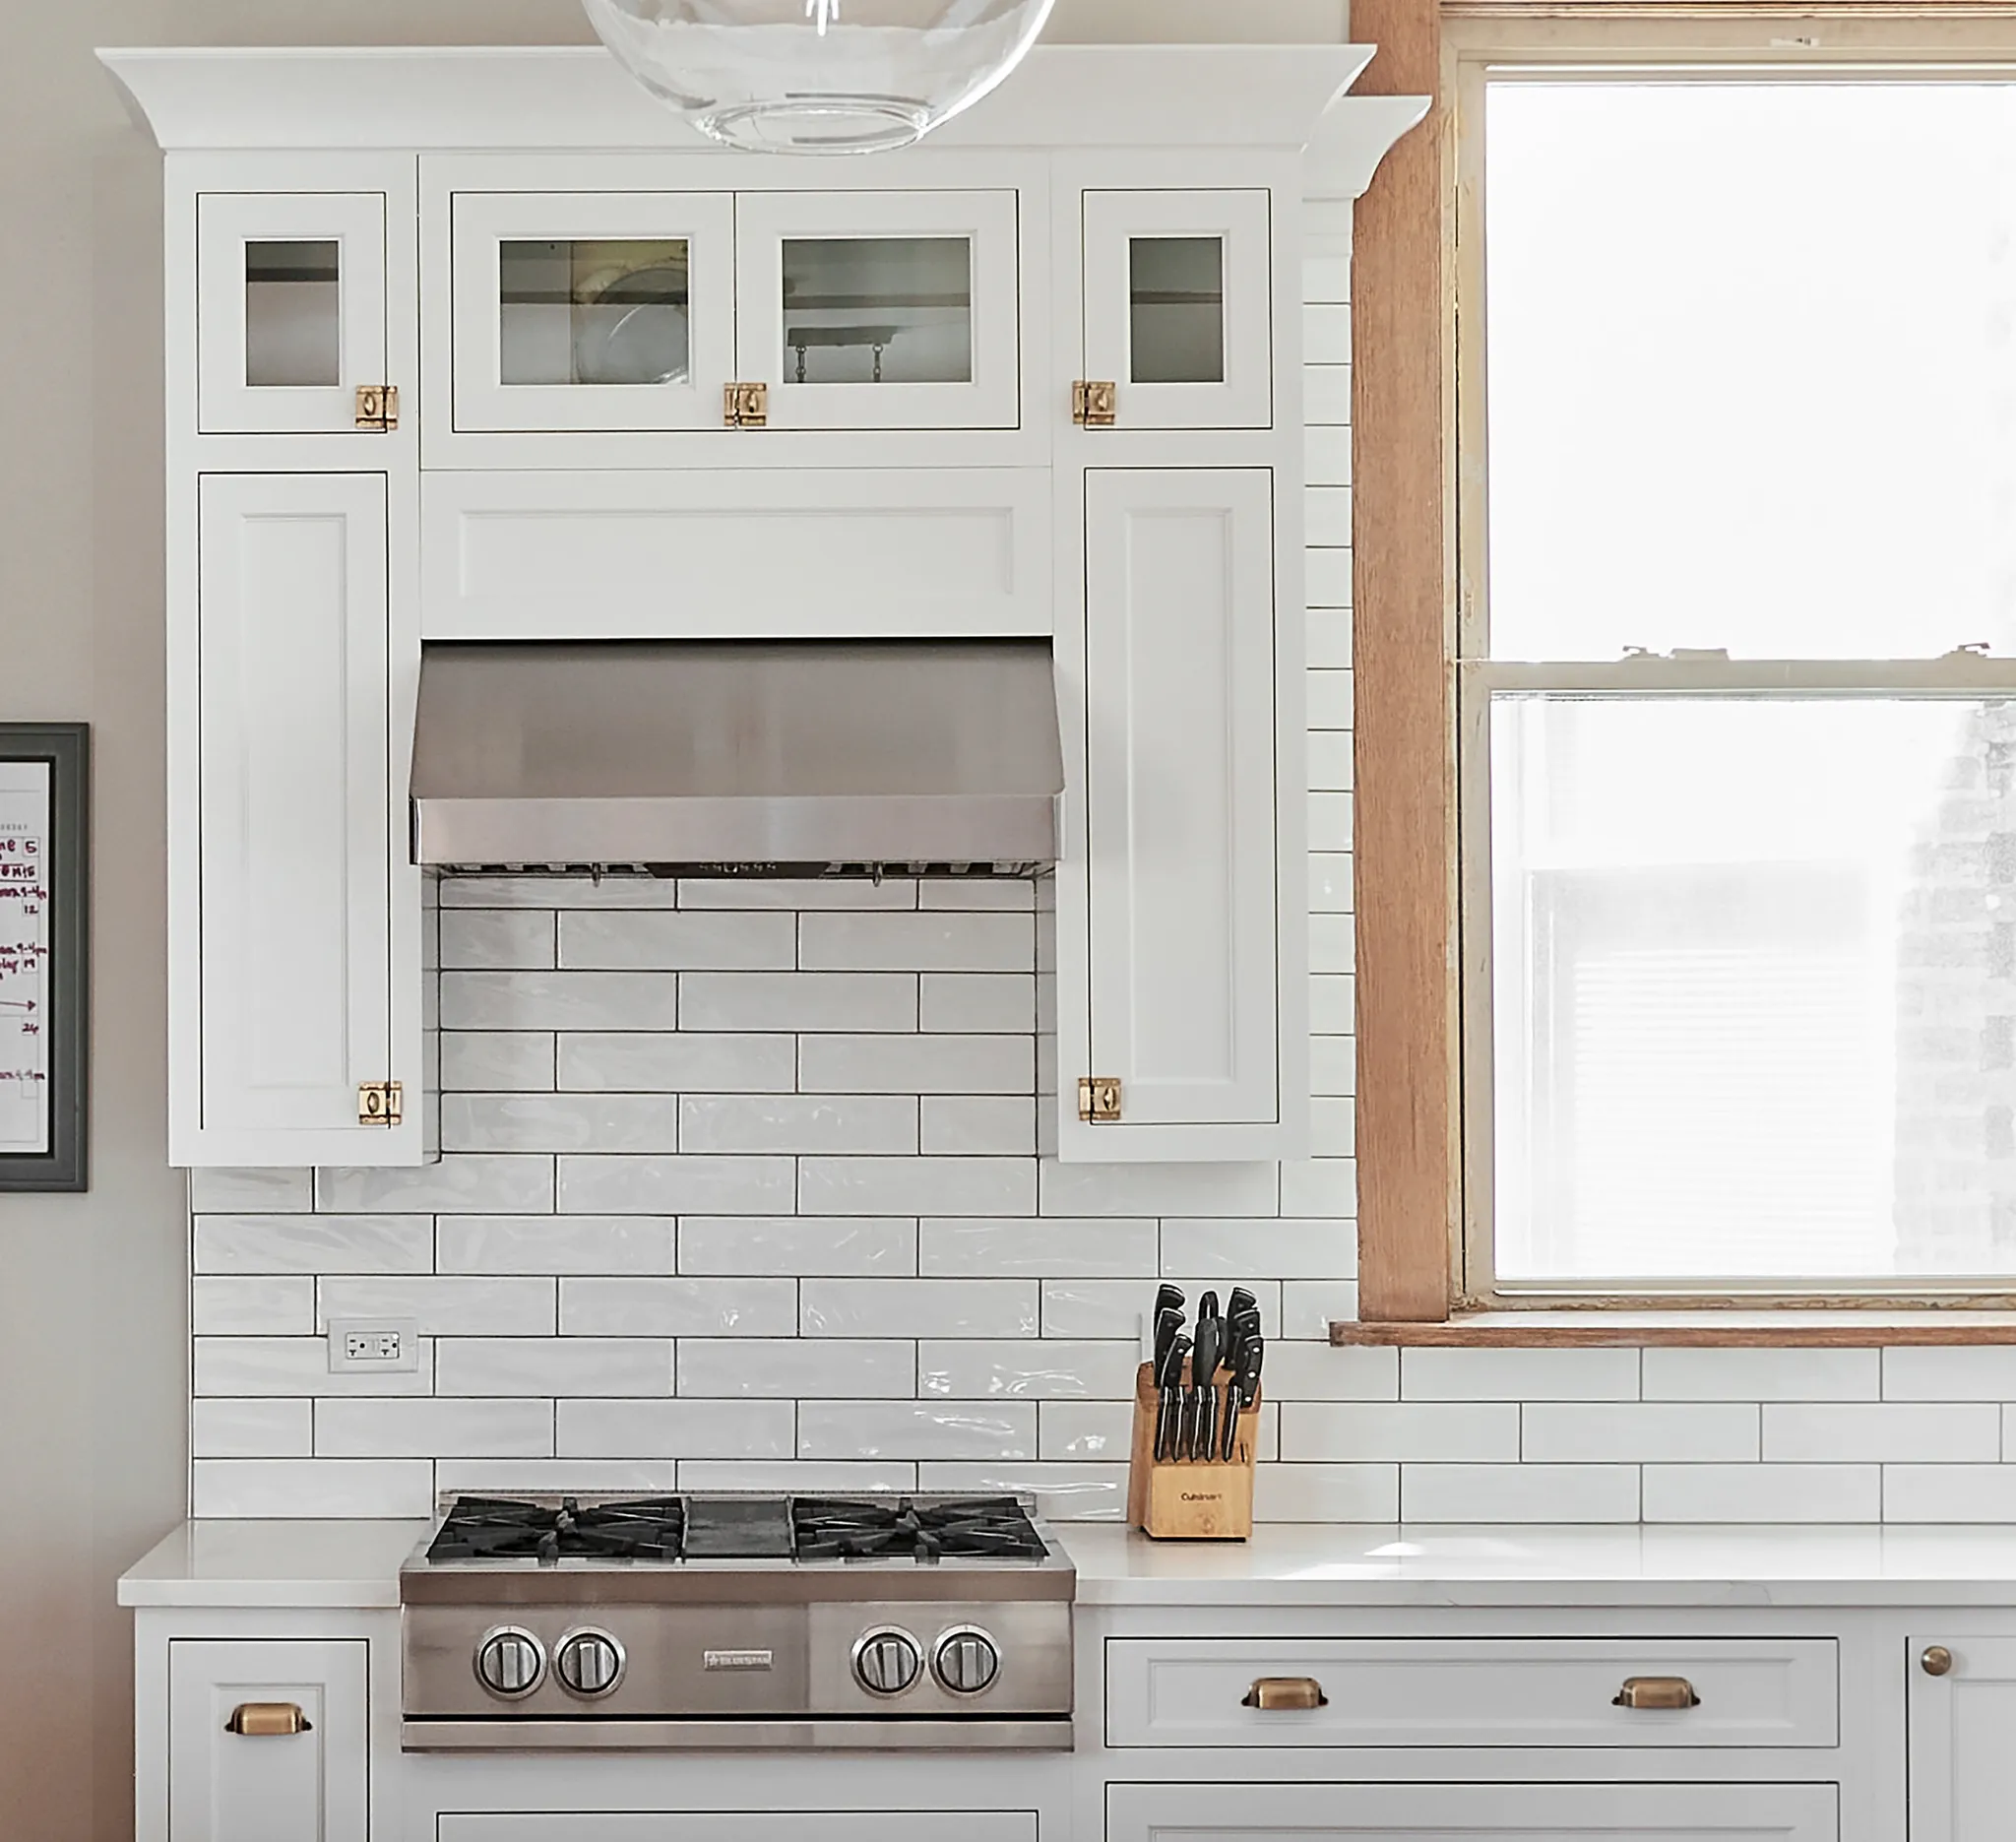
point(238, 1773)
point(1962, 1712)
point(1388, 1813)
point(745, 1827)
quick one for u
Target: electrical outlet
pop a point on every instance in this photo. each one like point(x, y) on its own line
point(373, 1346)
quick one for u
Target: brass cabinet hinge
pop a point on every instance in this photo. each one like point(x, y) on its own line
point(381, 1102)
point(746, 406)
point(1095, 406)
point(269, 1720)
point(378, 407)
point(1099, 1100)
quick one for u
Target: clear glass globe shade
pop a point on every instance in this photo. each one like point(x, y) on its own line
point(819, 75)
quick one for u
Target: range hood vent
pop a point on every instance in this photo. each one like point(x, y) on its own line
point(785, 758)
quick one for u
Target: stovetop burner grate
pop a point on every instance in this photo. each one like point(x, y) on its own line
point(501, 1528)
point(974, 1528)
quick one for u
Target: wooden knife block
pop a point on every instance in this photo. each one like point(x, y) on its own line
point(1189, 1501)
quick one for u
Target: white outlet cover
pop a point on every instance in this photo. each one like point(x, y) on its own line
point(404, 1330)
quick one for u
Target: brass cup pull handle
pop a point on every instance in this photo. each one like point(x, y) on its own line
point(1937, 1661)
point(268, 1720)
point(1272, 1694)
point(1655, 1691)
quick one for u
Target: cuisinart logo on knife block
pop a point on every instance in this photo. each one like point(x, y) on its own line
point(738, 1659)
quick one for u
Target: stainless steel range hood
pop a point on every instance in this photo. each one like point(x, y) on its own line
point(787, 758)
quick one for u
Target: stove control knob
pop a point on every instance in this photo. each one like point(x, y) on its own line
point(967, 1661)
point(589, 1664)
point(888, 1662)
point(510, 1662)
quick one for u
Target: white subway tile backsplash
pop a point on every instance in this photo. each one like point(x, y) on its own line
point(294, 1489)
point(918, 1308)
point(1285, 1492)
point(1763, 1374)
point(678, 1307)
point(430, 1429)
point(1762, 1494)
point(916, 1430)
point(1949, 1493)
point(1519, 1374)
point(1184, 1189)
point(1234, 1250)
point(548, 892)
point(677, 1185)
point(1638, 1432)
point(609, 941)
point(856, 892)
point(1984, 1374)
point(915, 1186)
point(1486, 1493)
point(976, 1125)
point(799, 1123)
point(668, 1063)
point(497, 940)
point(1314, 1372)
point(869, 1476)
point(242, 1429)
point(1331, 887)
point(494, 1477)
point(1098, 1309)
point(797, 1246)
point(918, 1064)
point(970, 1369)
point(678, 1430)
point(1309, 1306)
point(559, 1001)
point(1072, 1431)
point(292, 1365)
point(1080, 1493)
point(1358, 1433)
point(1009, 893)
point(926, 941)
point(1891, 1432)
point(648, 1122)
point(444, 1307)
point(555, 1243)
point(278, 1307)
point(526, 1368)
point(459, 1185)
point(800, 1001)
point(251, 1192)
point(791, 1367)
point(1102, 1247)
point(498, 1061)
point(978, 1003)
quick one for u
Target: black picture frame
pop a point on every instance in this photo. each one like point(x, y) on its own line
point(65, 748)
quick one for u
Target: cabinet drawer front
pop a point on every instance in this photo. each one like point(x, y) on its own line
point(1513, 1691)
point(1441, 1812)
point(254, 1785)
point(742, 1827)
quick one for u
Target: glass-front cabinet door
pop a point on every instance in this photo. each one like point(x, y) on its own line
point(591, 312)
point(1178, 307)
point(881, 310)
point(292, 310)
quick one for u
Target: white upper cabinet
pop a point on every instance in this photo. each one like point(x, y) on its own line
point(283, 993)
point(880, 310)
point(594, 312)
point(1178, 305)
point(292, 310)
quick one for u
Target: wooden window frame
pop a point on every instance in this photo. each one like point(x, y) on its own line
point(1406, 589)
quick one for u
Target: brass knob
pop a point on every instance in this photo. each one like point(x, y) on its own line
point(1937, 1661)
point(268, 1720)
point(1278, 1694)
point(1655, 1691)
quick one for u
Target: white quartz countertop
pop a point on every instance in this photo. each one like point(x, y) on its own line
point(354, 1565)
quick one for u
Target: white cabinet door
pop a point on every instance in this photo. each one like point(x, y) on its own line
point(1170, 930)
point(271, 1785)
point(1962, 1771)
point(283, 965)
point(1179, 306)
point(744, 1825)
point(1360, 1813)
point(591, 312)
point(865, 310)
point(290, 310)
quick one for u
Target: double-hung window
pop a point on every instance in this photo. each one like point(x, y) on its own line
point(1737, 687)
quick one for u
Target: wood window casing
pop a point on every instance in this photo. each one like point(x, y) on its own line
point(1408, 580)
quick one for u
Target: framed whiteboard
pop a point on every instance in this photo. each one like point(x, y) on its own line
point(44, 942)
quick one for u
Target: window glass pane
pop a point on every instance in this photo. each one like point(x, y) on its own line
point(293, 317)
point(1754, 970)
point(595, 312)
point(878, 310)
point(1752, 368)
point(1177, 308)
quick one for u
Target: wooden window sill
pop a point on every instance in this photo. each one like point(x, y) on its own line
point(1801, 1328)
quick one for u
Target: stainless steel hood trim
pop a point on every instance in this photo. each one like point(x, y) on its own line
point(885, 1735)
point(829, 829)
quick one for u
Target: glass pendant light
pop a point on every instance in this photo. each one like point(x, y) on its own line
point(819, 75)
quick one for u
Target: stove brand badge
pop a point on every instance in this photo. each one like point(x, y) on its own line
point(738, 1659)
